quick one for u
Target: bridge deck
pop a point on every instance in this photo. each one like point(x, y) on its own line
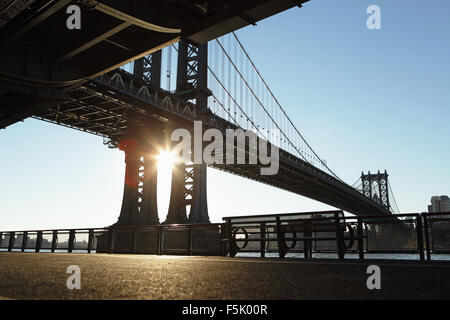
point(105, 106)
point(40, 55)
point(43, 276)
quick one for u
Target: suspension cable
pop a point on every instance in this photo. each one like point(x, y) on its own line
point(393, 197)
point(281, 108)
point(257, 99)
point(232, 98)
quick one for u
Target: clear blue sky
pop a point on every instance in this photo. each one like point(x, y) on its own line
point(365, 100)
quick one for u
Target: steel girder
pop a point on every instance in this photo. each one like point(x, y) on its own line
point(38, 51)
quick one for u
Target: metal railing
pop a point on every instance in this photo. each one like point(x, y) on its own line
point(188, 239)
point(332, 232)
point(306, 233)
point(437, 233)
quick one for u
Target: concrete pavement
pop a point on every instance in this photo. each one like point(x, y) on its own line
point(103, 276)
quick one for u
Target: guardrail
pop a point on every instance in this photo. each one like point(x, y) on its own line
point(437, 233)
point(188, 239)
point(332, 232)
point(307, 233)
point(280, 229)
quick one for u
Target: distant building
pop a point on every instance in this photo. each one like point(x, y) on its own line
point(439, 204)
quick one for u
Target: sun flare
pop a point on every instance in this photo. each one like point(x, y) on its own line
point(166, 160)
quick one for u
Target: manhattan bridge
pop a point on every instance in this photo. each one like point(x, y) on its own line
point(137, 70)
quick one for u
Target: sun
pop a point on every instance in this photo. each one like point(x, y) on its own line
point(166, 160)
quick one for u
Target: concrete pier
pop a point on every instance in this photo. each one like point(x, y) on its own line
point(44, 276)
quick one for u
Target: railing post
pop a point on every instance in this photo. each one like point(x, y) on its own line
point(419, 230)
point(71, 241)
point(360, 239)
point(339, 237)
point(90, 240)
point(159, 240)
point(38, 241)
point(427, 236)
point(110, 240)
point(54, 240)
point(232, 247)
point(189, 240)
point(133, 240)
point(262, 232)
point(280, 239)
point(223, 235)
point(307, 244)
point(12, 237)
point(24, 240)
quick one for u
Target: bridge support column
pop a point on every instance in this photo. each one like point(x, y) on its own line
point(199, 204)
point(139, 204)
point(177, 205)
point(189, 180)
point(188, 188)
point(148, 68)
point(379, 183)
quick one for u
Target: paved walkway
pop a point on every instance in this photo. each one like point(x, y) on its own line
point(44, 276)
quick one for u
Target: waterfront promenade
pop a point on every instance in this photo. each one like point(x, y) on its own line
point(43, 276)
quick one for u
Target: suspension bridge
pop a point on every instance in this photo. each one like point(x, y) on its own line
point(135, 72)
point(108, 78)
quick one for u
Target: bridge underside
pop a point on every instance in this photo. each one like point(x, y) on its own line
point(41, 59)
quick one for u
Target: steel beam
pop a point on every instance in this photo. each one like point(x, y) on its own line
point(35, 20)
point(148, 69)
point(95, 41)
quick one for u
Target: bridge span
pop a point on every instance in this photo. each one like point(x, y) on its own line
point(96, 106)
point(70, 78)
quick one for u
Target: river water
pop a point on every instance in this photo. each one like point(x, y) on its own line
point(401, 256)
point(435, 257)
